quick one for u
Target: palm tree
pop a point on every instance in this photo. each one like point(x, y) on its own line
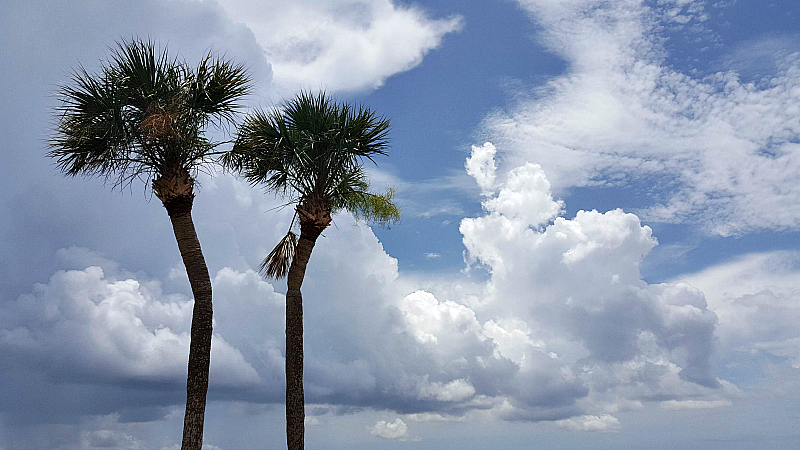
point(144, 116)
point(310, 151)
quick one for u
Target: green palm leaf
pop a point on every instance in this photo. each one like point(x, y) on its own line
point(144, 114)
point(313, 147)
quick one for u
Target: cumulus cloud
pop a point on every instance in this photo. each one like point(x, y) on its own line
point(723, 151)
point(113, 439)
point(482, 377)
point(565, 327)
point(340, 45)
point(391, 430)
point(108, 330)
point(480, 165)
point(571, 289)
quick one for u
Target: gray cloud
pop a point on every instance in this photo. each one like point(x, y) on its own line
point(44, 212)
point(533, 344)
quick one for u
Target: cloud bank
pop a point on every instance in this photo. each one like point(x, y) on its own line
point(565, 328)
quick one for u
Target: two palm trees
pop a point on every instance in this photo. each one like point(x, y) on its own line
point(145, 116)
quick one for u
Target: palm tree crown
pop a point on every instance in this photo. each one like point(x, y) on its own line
point(145, 114)
point(311, 151)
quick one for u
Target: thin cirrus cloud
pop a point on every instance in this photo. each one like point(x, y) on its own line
point(725, 150)
point(756, 299)
point(340, 45)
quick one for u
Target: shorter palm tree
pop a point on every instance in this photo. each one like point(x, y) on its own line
point(144, 116)
point(310, 151)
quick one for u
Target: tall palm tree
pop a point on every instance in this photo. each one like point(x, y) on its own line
point(144, 116)
point(311, 152)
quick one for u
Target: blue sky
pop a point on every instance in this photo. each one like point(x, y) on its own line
point(598, 246)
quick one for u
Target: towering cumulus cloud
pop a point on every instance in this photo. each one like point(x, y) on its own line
point(572, 290)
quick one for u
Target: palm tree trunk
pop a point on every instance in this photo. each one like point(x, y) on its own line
point(295, 399)
point(200, 346)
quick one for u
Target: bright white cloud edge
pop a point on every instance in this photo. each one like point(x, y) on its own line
point(339, 45)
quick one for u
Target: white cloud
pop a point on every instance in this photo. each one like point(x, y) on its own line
point(723, 151)
point(575, 290)
point(525, 196)
point(340, 44)
point(757, 300)
point(428, 317)
point(391, 430)
point(311, 421)
point(565, 327)
point(454, 391)
point(606, 422)
point(511, 338)
point(480, 165)
point(87, 325)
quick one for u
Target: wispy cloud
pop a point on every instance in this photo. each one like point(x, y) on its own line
point(724, 151)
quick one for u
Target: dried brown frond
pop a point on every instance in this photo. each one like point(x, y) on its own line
point(276, 264)
point(159, 123)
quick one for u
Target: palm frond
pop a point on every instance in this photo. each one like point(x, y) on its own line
point(218, 86)
point(276, 264)
point(312, 146)
point(144, 113)
point(378, 209)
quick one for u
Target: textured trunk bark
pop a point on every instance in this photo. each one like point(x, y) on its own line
point(295, 399)
point(200, 346)
point(175, 190)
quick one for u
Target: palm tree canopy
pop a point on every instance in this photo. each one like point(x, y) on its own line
point(144, 114)
point(312, 150)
